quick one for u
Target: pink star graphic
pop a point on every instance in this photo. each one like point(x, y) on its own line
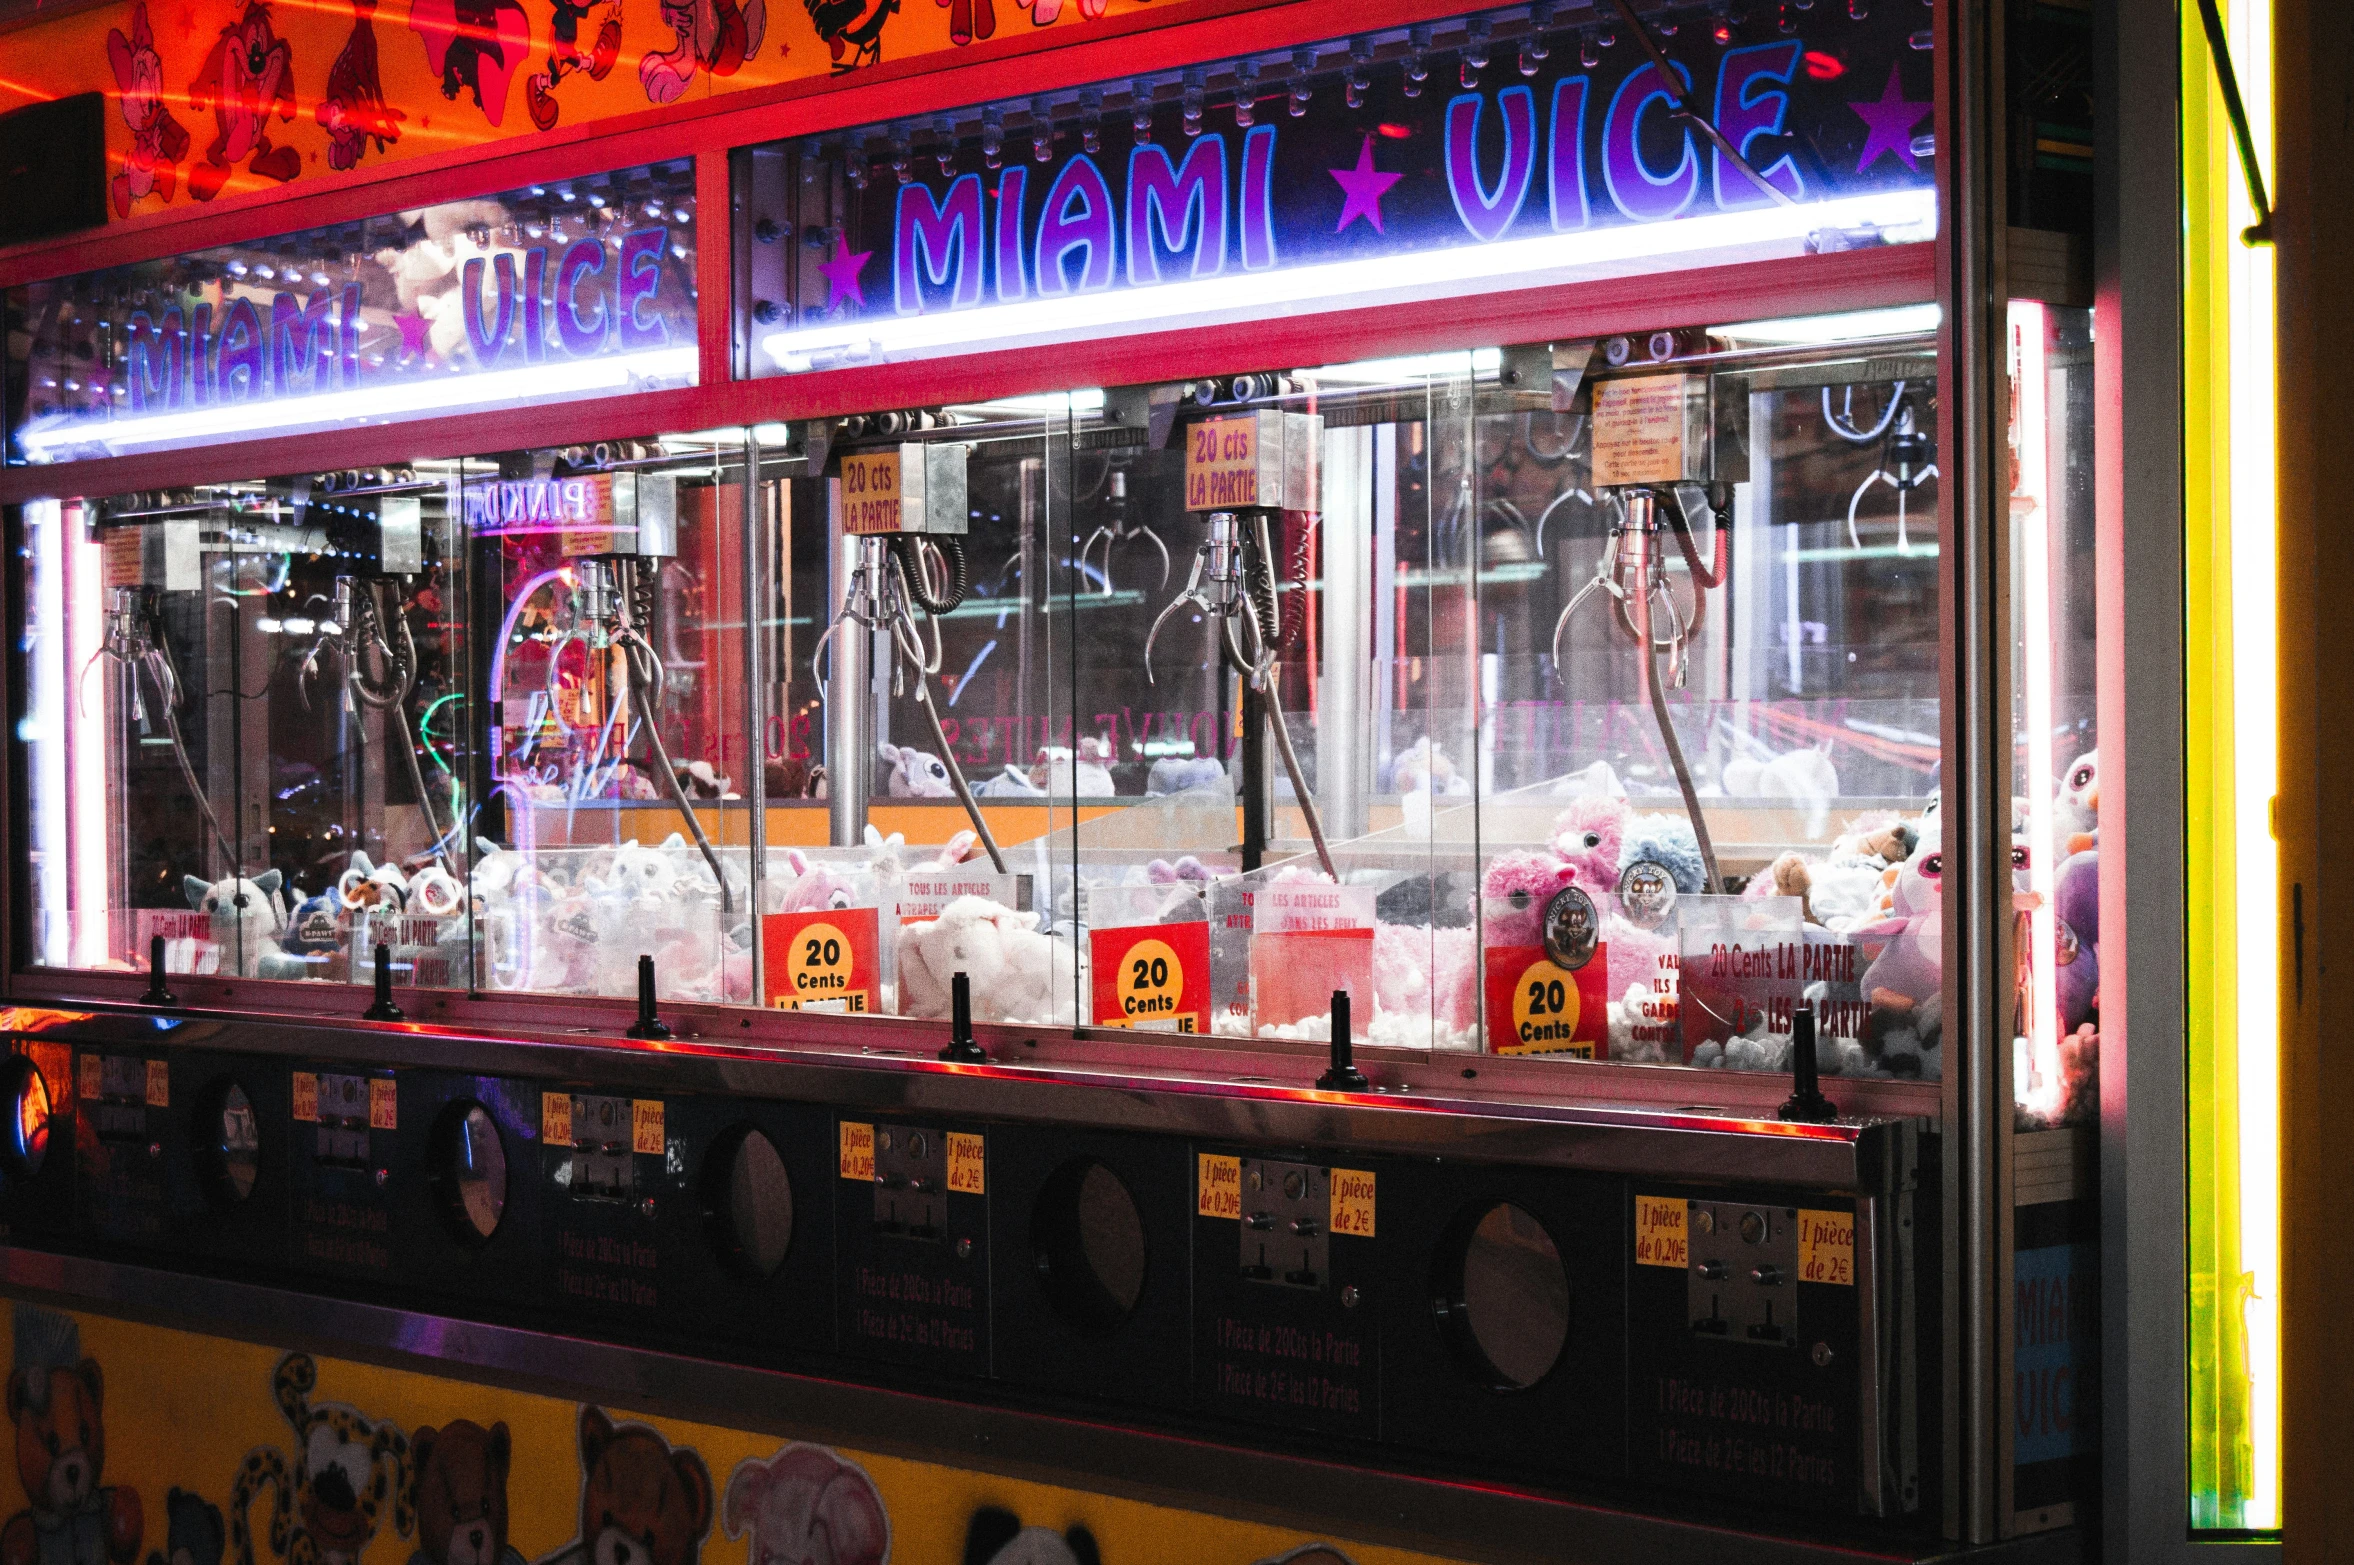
point(1363, 188)
point(412, 327)
point(1889, 125)
point(842, 274)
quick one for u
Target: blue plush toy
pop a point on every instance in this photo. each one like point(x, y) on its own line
point(1668, 841)
point(311, 933)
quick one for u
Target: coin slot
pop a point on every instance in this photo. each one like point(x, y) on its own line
point(1502, 1297)
point(470, 1171)
point(27, 1141)
point(1087, 1242)
point(748, 1201)
point(228, 1143)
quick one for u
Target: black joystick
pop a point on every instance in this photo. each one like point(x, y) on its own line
point(383, 1010)
point(961, 1046)
point(1807, 1102)
point(1344, 1075)
point(156, 993)
point(648, 1027)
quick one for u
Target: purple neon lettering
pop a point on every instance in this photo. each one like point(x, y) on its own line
point(1186, 205)
point(239, 368)
point(155, 360)
point(1258, 199)
point(938, 243)
point(1013, 188)
point(1749, 105)
point(1636, 191)
point(1487, 216)
point(299, 342)
point(1078, 217)
point(1565, 177)
point(640, 286)
point(581, 334)
point(204, 358)
point(347, 335)
point(488, 342)
point(535, 308)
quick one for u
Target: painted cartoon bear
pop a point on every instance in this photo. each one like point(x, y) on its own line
point(997, 1537)
point(807, 1506)
point(194, 1533)
point(462, 1495)
point(249, 73)
point(642, 1500)
point(55, 1399)
point(327, 1501)
point(158, 141)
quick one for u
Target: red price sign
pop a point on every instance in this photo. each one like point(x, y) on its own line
point(1153, 976)
point(1222, 464)
point(820, 960)
point(1536, 1006)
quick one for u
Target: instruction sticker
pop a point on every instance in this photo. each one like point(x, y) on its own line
point(1659, 1231)
point(1826, 1248)
point(858, 1151)
point(1640, 428)
point(965, 1163)
point(1536, 1006)
point(870, 492)
point(1352, 1203)
point(1218, 1187)
point(306, 1098)
point(555, 1118)
point(383, 1104)
point(159, 1084)
point(89, 1076)
point(820, 960)
point(645, 1125)
point(1153, 977)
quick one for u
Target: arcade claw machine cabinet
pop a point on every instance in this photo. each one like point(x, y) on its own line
point(1255, 774)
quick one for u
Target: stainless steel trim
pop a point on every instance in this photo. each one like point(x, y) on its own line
point(1486, 1523)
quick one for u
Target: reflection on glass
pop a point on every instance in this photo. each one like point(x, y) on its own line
point(473, 1171)
point(236, 1150)
point(1088, 1245)
point(30, 1141)
point(759, 1205)
point(1515, 1299)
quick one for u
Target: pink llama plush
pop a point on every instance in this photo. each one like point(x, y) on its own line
point(1588, 836)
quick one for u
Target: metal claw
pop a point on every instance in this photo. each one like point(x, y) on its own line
point(1176, 603)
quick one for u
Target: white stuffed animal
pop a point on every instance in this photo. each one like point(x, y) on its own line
point(1805, 776)
point(1186, 774)
point(2078, 816)
point(914, 774)
point(1017, 973)
point(436, 893)
point(1063, 772)
point(1597, 780)
point(246, 919)
point(1422, 767)
point(1012, 783)
point(365, 885)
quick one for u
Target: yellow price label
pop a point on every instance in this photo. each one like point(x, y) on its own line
point(1152, 981)
point(1545, 1010)
point(1826, 1248)
point(90, 1076)
point(645, 1125)
point(965, 1163)
point(159, 1084)
point(1352, 1203)
point(306, 1098)
point(555, 1118)
point(817, 963)
point(1659, 1231)
point(1218, 1187)
point(858, 1151)
point(383, 1105)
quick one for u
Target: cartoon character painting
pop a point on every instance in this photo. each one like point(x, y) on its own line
point(329, 1497)
point(55, 1398)
point(194, 1533)
point(249, 73)
point(474, 46)
point(566, 58)
point(718, 35)
point(158, 141)
point(643, 1501)
point(852, 29)
point(462, 1495)
point(354, 112)
point(807, 1506)
point(971, 19)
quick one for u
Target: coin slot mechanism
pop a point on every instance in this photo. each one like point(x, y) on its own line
point(603, 1166)
point(228, 1143)
point(470, 1171)
point(117, 1111)
point(1286, 1218)
point(911, 1182)
point(343, 1128)
point(1741, 1281)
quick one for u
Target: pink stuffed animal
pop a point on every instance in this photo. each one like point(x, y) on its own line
point(1588, 836)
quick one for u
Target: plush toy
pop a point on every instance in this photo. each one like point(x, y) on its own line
point(368, 885)
point(914, 774)
point(1186, 774)
point(1017, 973)
point(807, 887)
point(246, 917)
point(2077, 902)
point(1426, 982)
point(1598, 780)
point(1805, 776)
point(956, 850)
point(1788, 876)
point(1422, 767)
point(1590, 837)
point(1515, 890)
point(1668, 841)
point(436, 893)
point(312, 931)
point(2079, 803)
point(1187, 869)
point(1065, 773)
point(1903, 983)
point(1012, 783)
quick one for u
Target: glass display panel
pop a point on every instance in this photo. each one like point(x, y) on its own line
point(576, 288)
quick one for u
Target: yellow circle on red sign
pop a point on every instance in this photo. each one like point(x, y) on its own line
point(1545, 1006)
point(818, 965)
point(1151, 983)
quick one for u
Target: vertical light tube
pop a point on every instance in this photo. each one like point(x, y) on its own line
point(2030, 384)
point(85, 736)
point(43, 730)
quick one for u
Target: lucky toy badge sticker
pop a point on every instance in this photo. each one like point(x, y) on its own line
point(1154, 977)
point(822, 960)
